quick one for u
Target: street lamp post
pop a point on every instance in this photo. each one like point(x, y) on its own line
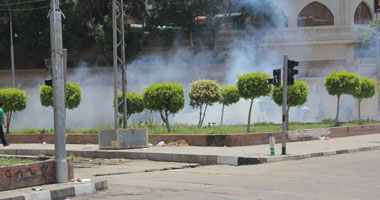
point(12, 55)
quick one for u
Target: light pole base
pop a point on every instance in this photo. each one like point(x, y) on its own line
point(61, 171)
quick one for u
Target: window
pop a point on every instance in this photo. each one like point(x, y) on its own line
point(362, 14)
point(315, 14)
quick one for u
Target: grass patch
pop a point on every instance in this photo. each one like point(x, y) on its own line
point(181, 129)
point(15, 161)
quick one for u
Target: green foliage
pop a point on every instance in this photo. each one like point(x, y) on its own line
point(370, 34)
point(14, 100)
point(166, 98)
point(204, 92)
point(230, 95)
point(342, 82)
point(135, 103)
point(253, 85)
point(297, 94)
point(73, 95)
point(366, 90)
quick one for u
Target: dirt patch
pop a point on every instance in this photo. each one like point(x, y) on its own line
point(178, 143)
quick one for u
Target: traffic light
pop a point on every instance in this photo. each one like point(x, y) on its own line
point(276, 80)
point(292, 71)
point(49, 82)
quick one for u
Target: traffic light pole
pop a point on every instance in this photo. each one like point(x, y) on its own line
point(57, 54)
point(284, 104)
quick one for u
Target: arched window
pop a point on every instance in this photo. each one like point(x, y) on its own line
point(315, 14)
point(362, 14)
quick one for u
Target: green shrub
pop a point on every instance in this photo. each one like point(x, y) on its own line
point(341, 82)
point(204, 93)
point(366, 90)
point(165, 98)
point(14, 100)
point(230, 95)
point(73, 95)
point(253, 86)
point(296, 95)
point(135, 103)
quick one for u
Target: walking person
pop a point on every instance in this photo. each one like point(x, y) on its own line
point(2, 123)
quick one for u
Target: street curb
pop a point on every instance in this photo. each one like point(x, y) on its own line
point(62, 193)
point(188, 158)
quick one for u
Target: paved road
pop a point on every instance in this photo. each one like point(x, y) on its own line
point(348, 176)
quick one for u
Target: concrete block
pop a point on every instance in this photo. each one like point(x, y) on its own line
point(227, 160)
point(212, 160)
point(176, 157)
point(101, 185)
point(317, 154)
point(62, 193)
point(123, 138)
point(84, 189)
point(42, 195)
point(167, 157)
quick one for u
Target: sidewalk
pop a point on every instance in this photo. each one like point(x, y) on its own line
point(54, 191)
point(213, 155)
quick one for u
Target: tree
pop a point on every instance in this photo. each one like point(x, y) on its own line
point(166, 98)
point(73, 95)
point(297, 95)
point(230, 95)
point(204, 93)
point(366, 90)
point(341, 82)
point(135, 103)
point(14, 100)
point(252, 86)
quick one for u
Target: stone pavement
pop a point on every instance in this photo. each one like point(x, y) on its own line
point(186, 154)
point(213, 155)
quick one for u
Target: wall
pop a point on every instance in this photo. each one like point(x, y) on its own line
point(30, 174)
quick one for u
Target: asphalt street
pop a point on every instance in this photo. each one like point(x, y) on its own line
point(347, 176)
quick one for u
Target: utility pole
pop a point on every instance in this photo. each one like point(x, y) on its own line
point(377, 56)
point(119, 58)
point(12, 52)
point(61, 170)
point(284, 104)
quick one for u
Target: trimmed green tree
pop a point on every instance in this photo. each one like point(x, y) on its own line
point(135, 104)
point(204, 93)
point(341, 82)
point(73, 95)
point(230, 95)
point(252, 86)
point(14, 100)
point(296, 95)
point(366, 90)
point(165, 98)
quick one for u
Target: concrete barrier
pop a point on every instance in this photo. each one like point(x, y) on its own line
point(123, 138)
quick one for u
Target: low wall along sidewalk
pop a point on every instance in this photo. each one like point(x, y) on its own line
point(214, 140)
point(31, 174)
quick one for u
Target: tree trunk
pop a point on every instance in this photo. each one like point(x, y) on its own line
point(221, 120)
point(8, 122)
point(200, 116)
point(191, 38)
point(165, 119)
point(249, 116)
point(204, 114)
point(360, 119)
point(336, 123)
